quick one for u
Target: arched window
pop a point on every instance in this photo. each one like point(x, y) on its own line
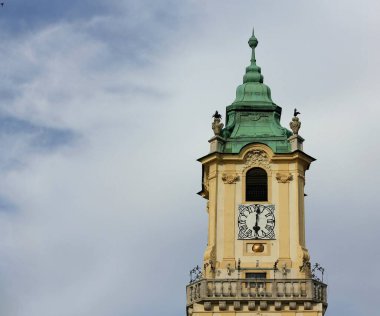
point(256, 185)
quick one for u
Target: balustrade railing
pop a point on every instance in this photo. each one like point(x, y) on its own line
point(260, 289)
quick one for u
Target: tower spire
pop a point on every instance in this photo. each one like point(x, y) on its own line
point(253, 72)
point(253, 116)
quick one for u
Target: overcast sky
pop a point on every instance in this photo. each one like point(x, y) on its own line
point(105, 107)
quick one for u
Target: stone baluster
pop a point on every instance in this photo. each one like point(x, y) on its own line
point(202, 289)
point(189, 298)
point(245, 289)
point(303, 289)
point(254, 289)
point(230, 293)
point(296, 289)
point(209, 288)
point(274, 288)
point(249, 290)
point(269, 288)
point(319, 294)
point(280, 288)
point(315, 290)
point(218, 288)
point(225, 289)
point(239, 288)
point(288, 290)
point(309, 289)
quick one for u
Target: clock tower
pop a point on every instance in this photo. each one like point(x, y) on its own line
point(256, 261)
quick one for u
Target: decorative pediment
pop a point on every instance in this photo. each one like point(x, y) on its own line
point(257, 158)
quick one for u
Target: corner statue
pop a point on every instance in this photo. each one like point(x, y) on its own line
point(217, 125)
point(295, 124)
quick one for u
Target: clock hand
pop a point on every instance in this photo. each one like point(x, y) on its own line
point(256, 228)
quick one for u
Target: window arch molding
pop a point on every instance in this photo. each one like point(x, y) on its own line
point(256, 156)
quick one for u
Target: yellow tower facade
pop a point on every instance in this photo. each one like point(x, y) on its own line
point(256, 261)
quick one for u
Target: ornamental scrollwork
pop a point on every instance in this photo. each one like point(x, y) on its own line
point(284, 177)
point(209, 266)
point(230, 178)
point(306, 267)
point(257, 157)
point(196, 274)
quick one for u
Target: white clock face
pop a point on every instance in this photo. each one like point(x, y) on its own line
point(256, 221)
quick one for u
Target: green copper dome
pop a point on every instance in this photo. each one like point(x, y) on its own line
point(253, 117)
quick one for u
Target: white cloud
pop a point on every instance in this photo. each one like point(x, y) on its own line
point(109, 223)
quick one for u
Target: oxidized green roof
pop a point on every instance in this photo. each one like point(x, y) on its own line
point(253, 117)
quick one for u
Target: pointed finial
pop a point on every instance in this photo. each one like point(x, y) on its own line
point(252, 42)
point(253, 72)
